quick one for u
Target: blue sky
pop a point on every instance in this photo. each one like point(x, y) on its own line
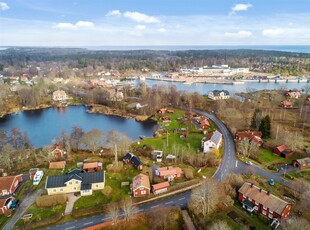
point(154, 22)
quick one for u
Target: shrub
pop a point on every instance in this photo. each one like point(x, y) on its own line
point(289, 176)
point(49, 201)
point(107, 191)
point(188, 173)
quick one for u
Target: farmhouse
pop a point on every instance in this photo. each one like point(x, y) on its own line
point(212, 141)
point(169, 173)
point(9, 184)
point(283, 151)
point(219, 94)
point(140, 185)
point(252, 136)
point(301, 163)
point(256, 199)
point(76, 181)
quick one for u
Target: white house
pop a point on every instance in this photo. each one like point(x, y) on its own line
point(60, 95)
point(218, 94)
point(213, 141)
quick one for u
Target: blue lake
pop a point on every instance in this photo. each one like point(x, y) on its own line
point(43, 126)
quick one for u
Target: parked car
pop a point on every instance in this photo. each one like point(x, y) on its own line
point(14, 204)
point(249, 163)
point(271, 182)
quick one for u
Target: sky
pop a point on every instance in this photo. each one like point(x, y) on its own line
point(154, 22)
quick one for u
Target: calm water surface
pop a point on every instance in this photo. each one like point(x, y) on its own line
point(43, 126)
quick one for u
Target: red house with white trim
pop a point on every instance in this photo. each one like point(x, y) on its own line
point(170, 173)
point(253, 198)
point(160, 188)
point(9, 184)
point(140, 185)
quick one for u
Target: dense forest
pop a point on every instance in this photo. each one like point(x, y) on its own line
point(286, 63)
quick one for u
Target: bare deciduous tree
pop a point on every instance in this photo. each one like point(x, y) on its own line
point(93, 139)
point(220, 225)
point(164, 218)
point(246, 148)
point(113, 212)
point(128, 208)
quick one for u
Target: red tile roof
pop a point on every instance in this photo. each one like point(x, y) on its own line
point(57, 165)
point(6, 182)
point(2, 201)
point(160, 185)
point(166, 171)
point(281, 148)
point(140, 180)
point(90, 165)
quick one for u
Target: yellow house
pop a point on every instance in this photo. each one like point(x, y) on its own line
point(75, 181)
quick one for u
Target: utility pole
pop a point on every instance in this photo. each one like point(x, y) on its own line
point(115, 155)
point(167, 138)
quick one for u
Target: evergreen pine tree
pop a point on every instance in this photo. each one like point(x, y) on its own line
point(265, 127)
point(256, 119)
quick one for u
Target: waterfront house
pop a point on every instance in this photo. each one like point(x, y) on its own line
point(293, 94)
point(212, 141)
point(85, 183)
point(60, 95)
point(283, 151)
point(92, 166)
point(252, 136)
point(169, 173)
point(160, 188)
point(134, 160)
point(301, 163)
point(5, 204)
point(9, 184)
point(286, 104)
point(58, 151)
point(140, 185)
point(219, 95)
point(57, 165)
point(255, 199)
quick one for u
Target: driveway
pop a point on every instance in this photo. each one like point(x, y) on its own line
point(70, 203)
point(27, 201)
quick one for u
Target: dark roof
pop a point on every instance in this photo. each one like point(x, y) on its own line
point(85, 186)
point(217, 92)
point(75, 171)
point(136, 161)
point(128, 156)
point(248, 203)
point(86, 178)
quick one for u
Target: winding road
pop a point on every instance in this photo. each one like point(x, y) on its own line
point(229, 164)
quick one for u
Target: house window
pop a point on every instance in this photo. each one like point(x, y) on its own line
point(264, 208)
point(270, 211)
point(61, 190)
point(54, 190)
point(270, 216)
point(74, 188)
point(76, 182)
point(250, 199)
point(96, 186)
point(264, 212)
point(70, 182)
point(143, 192)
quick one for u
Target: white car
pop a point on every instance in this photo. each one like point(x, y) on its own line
point(38, 177)
point(249, 163)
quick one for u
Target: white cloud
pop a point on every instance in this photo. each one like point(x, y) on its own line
point(162, 30)
point(240, 34)
point(241, 7)
point(4, 6)
point(140, 27)
point(113, 13)
point(70, 26)
point(273, 33)
point(139, 17)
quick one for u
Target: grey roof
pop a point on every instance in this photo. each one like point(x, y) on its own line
point(216, 137)
point(86, 178)
point(217, 92)
point(85, 186)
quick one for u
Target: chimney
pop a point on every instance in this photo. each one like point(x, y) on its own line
point(260, 190)
point(251, 185)
point(268, 193)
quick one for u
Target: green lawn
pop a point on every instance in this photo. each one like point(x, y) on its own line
point(268, 157)
point(303, 174)
point(89, 201)
point(3, 221)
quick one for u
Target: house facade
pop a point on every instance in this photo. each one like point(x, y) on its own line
point(293, 94)
point(169, 173)
point(219, 95)
point(9, 184)
point(85, 183)
point(255, 199)
point(140, 185)
point(301, 163)
point(160, 188)
point(212, 141)
point(286, 104)
point(60, 95)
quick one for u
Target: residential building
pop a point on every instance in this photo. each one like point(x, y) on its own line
point(134, 160)
point(251, 136)
point(92, 166)
point(60, 95)
point(253, 198)
point(58, 151)
point(286, 104)
point(219, 94)
point(160, 188)
point(203, 122)
point(283, 151)
point(85, 183)
point(166, 119)
point(169, 173)
point(140, 185)
point(57, 165)
point(9, 184)
point(293, 94)
point(301, 163)
point(212, 141)
point(5, 204)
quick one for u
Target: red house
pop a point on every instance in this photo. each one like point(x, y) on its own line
point(92, 166)
point(253, 198)
point(286, 104)
point(134, 160)
point(251, 136)
point(283, 151)
point(170, 173)
point(204, 123)
point(5, 204)
point(58, 152)
point(160, 188)
point(301, 163)
point(140, 185)
point(9, 184)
